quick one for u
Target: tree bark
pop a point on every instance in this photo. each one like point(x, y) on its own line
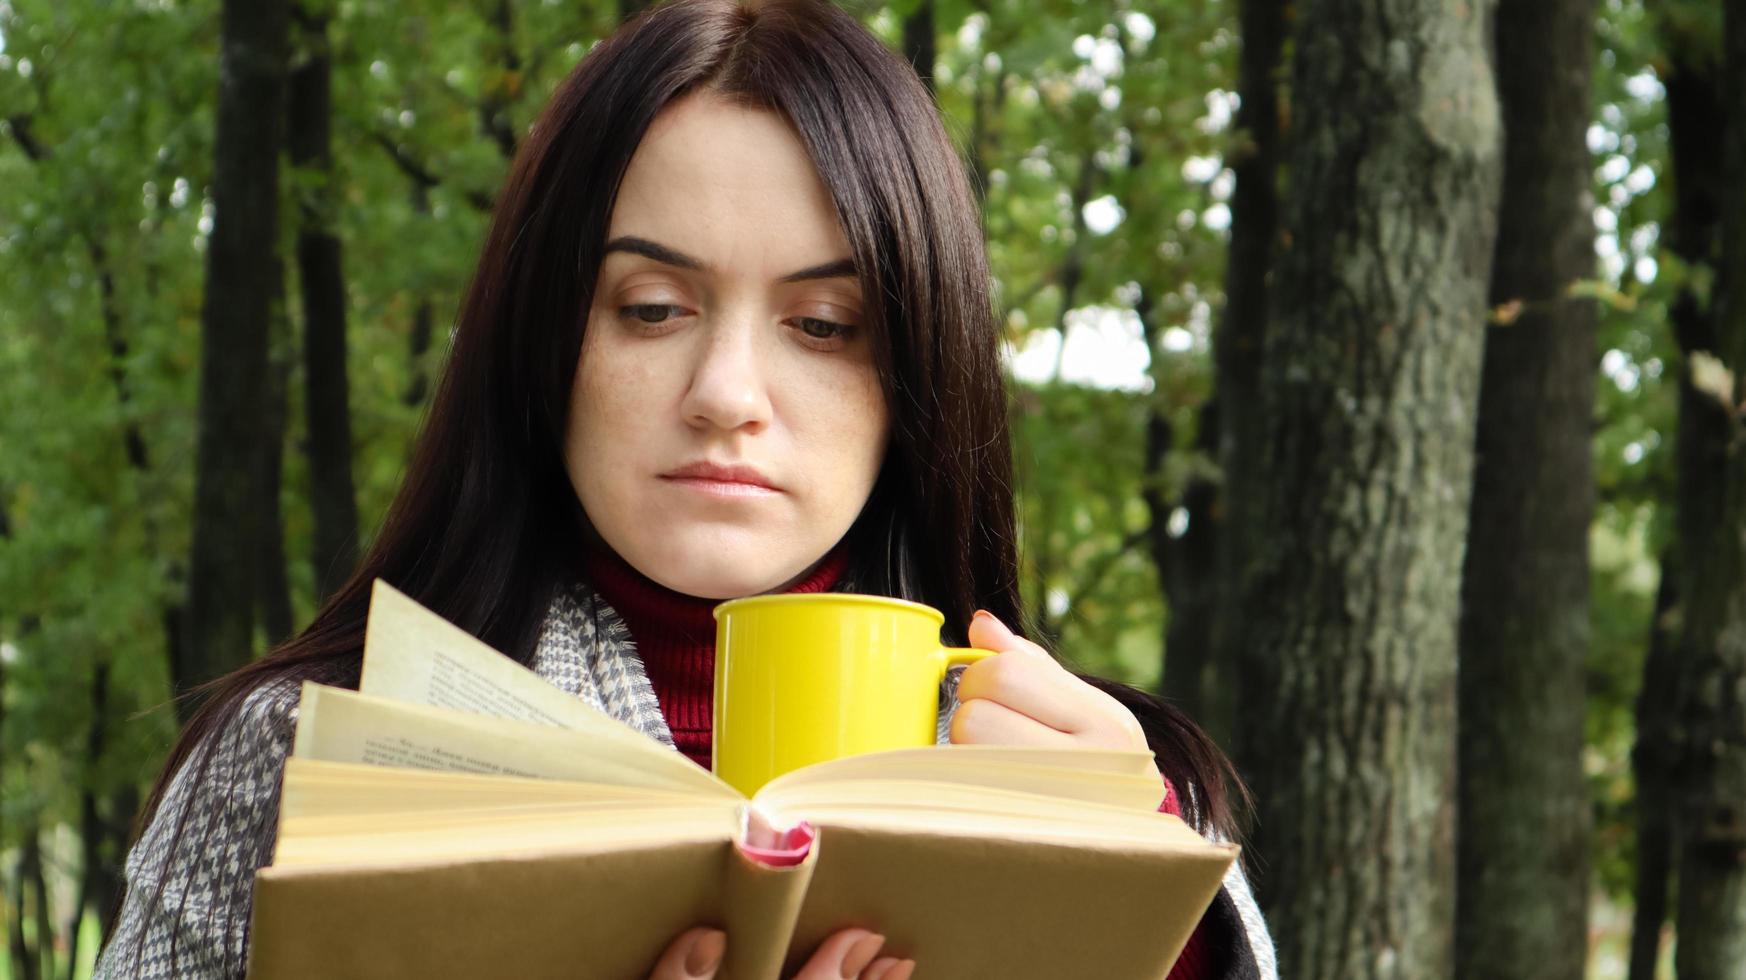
point(26, 959)
point(1694, 115)
point(110, 885)
point(1650, 764)
point(326, 402)
point(31, 868)
point(423, 316)
point(1189, 566)
point(14, 913)
point(91, 836)
point(1369, 380)
point(1712, 691)
point(1522, 839)
point(494, 109)
point(919, 43)
point(1185, 561)
point(1237, 344)
point(240, 270)
point(272, 574)
point(18, 951)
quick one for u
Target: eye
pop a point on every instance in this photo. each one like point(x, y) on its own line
point(826, 330)
point(649, 312)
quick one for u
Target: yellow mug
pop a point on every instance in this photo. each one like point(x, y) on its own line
point(801, 679)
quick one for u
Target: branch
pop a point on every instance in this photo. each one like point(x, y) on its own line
point(1101, 566)
point(421, 174)
point(21, 134)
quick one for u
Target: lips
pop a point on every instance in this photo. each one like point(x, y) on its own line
point(730, 473)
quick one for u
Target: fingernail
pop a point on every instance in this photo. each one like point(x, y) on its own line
point(984, 614)
point(706, 953)
point(861, 954)
point(889, 968)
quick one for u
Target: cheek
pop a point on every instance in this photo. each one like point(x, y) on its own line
point(613, 387)
point(847, 426)
point(604, 415)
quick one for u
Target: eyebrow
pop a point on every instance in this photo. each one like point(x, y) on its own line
point(837, 269)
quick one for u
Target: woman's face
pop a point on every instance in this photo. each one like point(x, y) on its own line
point(726, 331)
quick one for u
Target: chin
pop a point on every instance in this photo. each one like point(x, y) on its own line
point(720, 576)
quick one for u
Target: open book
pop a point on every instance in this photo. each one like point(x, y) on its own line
point(460, 817)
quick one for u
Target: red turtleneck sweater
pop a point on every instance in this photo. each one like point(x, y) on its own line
point(675, 636)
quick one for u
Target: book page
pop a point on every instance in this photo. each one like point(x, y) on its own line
point(1125, 779)
point(320, 788)
point(411, 654)
point(982, 814)
point(338, 725)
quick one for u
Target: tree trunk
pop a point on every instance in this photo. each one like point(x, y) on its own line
point(240, 270)
point(327, 400)
point(272, 574)
point(14, 912)
point(26, 963)
point(90, 819)
point(1189, 568)
point(1184, 559)
point(1712, 691)
point(423, 315)
point(918, 41)
point(1237, 343)
point(1694, 116)
point(31, 868)
point(1369, 380)
point(1523, 831)
point(111, 882)
point(501, 92)
point(1650, 764)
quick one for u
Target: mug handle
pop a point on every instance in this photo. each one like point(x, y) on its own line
point(961, 656)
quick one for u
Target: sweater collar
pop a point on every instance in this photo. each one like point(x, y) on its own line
point(652, 610)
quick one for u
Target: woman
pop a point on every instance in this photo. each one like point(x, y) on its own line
point(730, 334)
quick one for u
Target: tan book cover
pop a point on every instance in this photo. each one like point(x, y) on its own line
point(460, 817)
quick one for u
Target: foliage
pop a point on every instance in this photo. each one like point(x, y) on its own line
point(1634, 435)
point(1097, 131)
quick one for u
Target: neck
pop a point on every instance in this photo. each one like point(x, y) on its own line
point(675, 636)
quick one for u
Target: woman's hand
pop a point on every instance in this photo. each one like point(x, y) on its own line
point(850, 954)
point(1022, 696)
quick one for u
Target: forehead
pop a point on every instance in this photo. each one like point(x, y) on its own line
point(731, 186)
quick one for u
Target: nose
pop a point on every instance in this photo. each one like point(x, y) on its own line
point(728, 389)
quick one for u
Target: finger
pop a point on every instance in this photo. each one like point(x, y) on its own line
point(902, 971)
point(987, 632)
point(844, 954)
point(1032, 687)
point(889, 968)
point(983, 722)
point(695, 955)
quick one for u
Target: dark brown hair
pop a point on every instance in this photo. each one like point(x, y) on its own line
point(486, 527)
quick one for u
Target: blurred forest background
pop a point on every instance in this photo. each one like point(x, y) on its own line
point(1374, 395)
